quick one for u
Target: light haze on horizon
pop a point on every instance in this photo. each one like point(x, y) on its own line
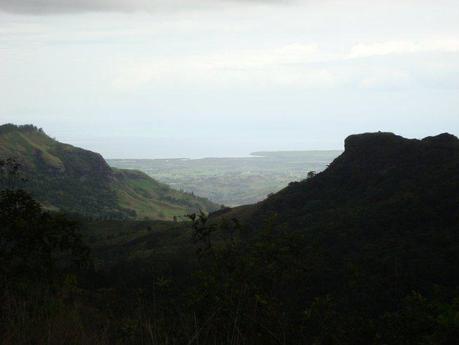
point(201, 78)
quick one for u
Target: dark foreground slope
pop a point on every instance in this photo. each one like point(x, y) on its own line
point(387, 209)
point(364, 253)
point(71, 179)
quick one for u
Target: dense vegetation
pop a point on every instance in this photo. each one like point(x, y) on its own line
point(364, 253)
point(63, 177)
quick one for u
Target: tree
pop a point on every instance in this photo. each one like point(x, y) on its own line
point(10, 174)
point(35, 245)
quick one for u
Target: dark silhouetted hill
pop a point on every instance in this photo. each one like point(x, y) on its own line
point(387, 208)
point(392, 178)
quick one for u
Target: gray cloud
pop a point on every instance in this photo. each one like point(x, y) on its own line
point(80, 6)
point(71, 6)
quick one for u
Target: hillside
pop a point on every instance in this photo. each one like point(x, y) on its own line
point(64, 177)
point(386, 199)
point(383, 187)
point(386, 210)
point(365, 252)
point(382, 172)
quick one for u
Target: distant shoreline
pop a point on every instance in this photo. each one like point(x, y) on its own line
point(256, 154)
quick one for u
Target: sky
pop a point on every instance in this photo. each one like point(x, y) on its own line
point(199, 78)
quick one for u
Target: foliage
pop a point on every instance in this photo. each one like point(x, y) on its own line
point(40, 255)
point(70, 179)
point(363, 253)
point(33, 243)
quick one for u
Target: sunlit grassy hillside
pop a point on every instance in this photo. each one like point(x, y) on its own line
point(64, 177)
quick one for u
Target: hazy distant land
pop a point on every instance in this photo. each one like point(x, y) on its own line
point(233, 181)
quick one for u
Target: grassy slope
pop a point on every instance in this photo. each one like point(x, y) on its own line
point(23, 143)
point(68, 178)
point(152, 199)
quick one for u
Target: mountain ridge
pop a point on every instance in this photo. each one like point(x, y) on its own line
point(68, 178)
point(373, 168)
point(382, 218)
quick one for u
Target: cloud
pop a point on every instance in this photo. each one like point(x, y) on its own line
point(364, 50)
point(299, 65)
point(63, 6)
point(38, 7)
point(387, 79)
point(284, 65)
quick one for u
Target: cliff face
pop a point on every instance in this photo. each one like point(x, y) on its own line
point(68, 178)
point(378, 151)
point(375, 167)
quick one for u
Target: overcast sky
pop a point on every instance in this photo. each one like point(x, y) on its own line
point(193, 78)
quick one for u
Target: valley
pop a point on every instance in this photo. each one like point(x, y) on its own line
point(233, 181)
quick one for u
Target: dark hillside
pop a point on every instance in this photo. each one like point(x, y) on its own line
point(385, 212)
point(379, 170)
point(372, 243)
